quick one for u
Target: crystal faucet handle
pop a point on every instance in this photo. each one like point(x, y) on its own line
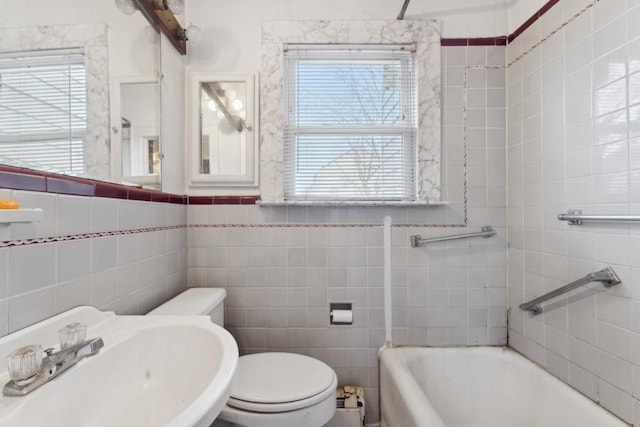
point(25, 363)
point(72, 334)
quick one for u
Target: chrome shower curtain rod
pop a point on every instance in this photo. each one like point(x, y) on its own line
point(403, 10)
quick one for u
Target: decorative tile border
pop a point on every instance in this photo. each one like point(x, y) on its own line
point(521, 29)
point(27, 242)
point(323, 225)
point(55, 239)
point(465, 134)
point(477, 41)
point(503, 40)
point(222, 200)
point(548, 36)
point(529, 22)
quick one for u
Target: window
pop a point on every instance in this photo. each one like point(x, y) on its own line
point(350, 123)
point(43, 110)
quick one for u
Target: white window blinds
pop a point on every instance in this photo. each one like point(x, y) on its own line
point(350, 122)
point(43, 110)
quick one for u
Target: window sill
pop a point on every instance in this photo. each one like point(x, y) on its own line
point(351, 203)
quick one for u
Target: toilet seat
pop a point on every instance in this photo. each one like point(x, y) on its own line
point(280, 382)
point(311, 416)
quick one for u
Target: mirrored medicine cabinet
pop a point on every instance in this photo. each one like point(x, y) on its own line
point(136, 155)
point(222, 132)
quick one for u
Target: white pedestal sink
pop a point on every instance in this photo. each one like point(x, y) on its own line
point(153, 371)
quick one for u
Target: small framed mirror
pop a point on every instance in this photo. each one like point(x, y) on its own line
point(136, 158)
point(223, 141)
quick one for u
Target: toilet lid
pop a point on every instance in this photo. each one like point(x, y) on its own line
point(279, 378)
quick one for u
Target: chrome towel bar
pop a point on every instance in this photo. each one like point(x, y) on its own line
point(607, 276)
point(487, 231)
point(575, 217)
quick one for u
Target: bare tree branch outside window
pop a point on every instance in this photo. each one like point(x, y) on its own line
point(353, 126)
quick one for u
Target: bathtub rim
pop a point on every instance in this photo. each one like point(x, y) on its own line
point(503, 349)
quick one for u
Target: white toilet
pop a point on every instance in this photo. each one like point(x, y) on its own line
point(270, 389)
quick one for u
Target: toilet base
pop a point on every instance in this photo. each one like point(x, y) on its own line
point(314, 416)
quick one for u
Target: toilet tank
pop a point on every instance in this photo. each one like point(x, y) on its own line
point(193, 302)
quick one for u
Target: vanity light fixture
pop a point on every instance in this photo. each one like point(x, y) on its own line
point(176, 6)
point(216, 94)
point(160, 14)
point(181, 34)
point(193, 33)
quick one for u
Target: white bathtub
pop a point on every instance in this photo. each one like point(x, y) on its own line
point(478, 387)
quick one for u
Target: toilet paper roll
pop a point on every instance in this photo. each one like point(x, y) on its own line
point(342, 316)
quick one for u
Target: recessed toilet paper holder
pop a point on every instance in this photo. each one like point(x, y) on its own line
point(343, 313)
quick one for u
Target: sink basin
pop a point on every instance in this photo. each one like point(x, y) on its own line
point(153, 371)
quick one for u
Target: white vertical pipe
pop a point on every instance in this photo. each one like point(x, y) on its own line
point(387, 281)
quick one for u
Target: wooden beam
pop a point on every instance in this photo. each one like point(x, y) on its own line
point(213, 90)
point(165, 21)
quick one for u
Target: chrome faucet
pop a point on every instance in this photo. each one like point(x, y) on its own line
point(53, 364)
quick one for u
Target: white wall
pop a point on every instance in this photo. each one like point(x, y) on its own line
point(139, 106)
point(231, 30)
point(131, 53)
point(129, 273)
point(280, 279)
point(172, 128)
point(521, 10)
point(282, 266)
point(573, 143)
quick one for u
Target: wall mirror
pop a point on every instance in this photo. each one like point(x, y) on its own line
point(223, 142)
point(60, 65)
point(136, 155)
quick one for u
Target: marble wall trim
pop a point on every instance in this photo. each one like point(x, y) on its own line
point(423, 33)
point(93, 39)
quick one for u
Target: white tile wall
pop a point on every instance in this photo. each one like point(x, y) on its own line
point(280, 280)
point(572, 141)
point(572, 115)
point(129, 274)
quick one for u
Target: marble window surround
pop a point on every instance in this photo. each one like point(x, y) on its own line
point(423, 33)
point(93, 38)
